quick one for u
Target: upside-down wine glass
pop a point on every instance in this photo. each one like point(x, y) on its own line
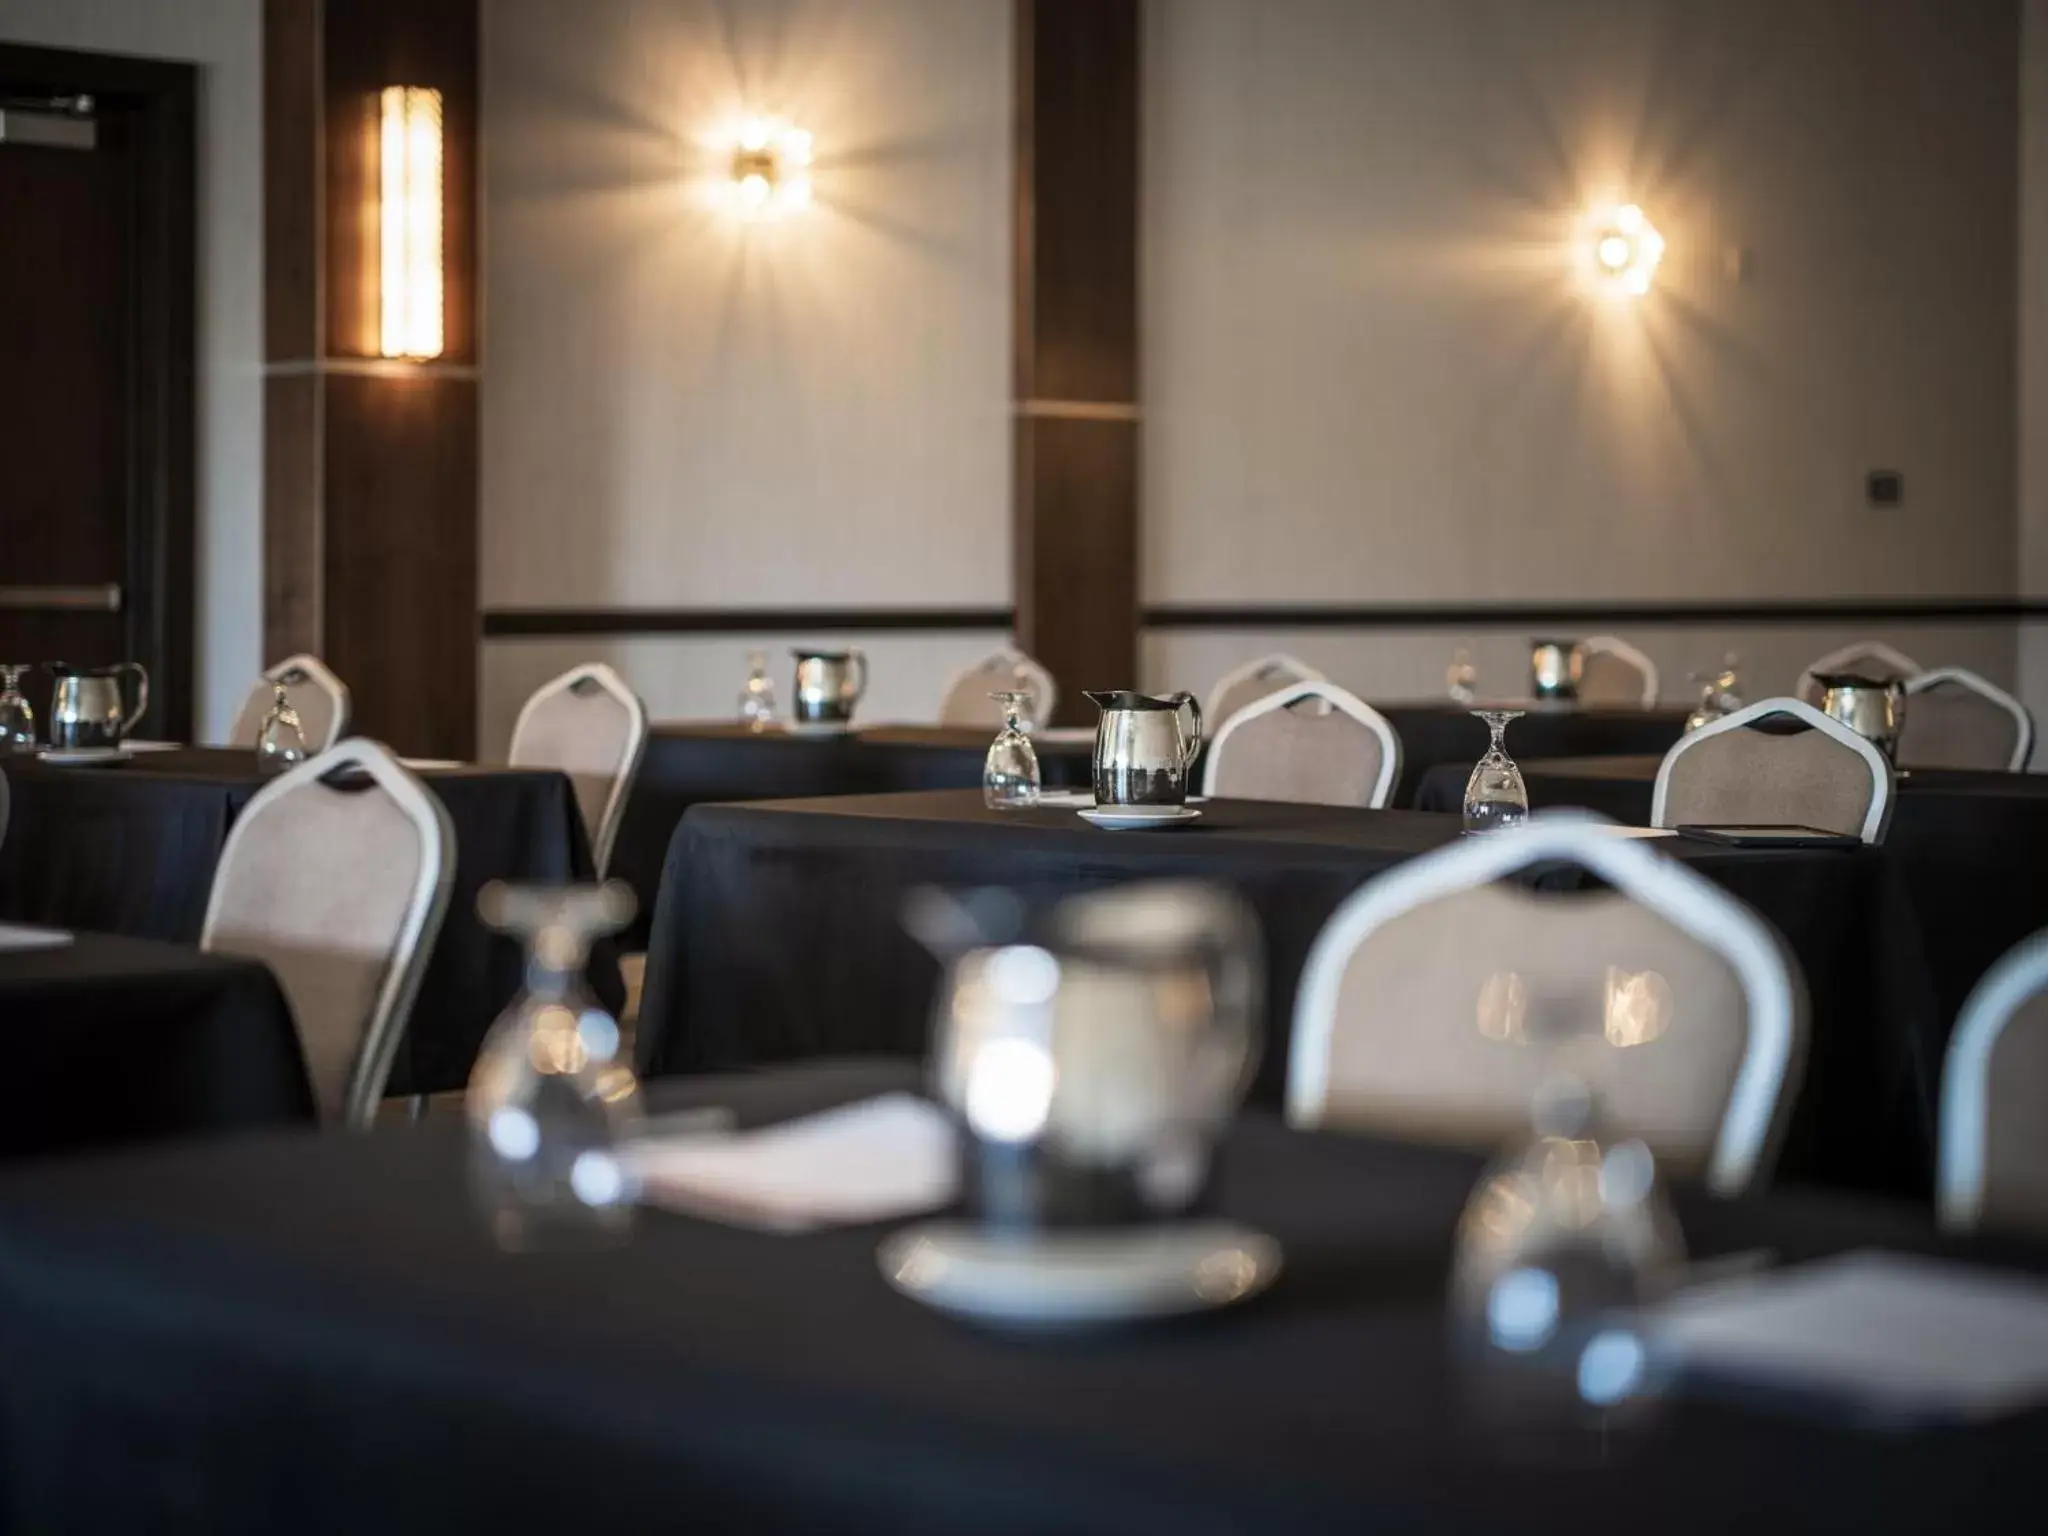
point(757, 698)
point(281, 743)
point(1009, 776)
point(17, 719)
point(1495, 795)
point(1461, 677)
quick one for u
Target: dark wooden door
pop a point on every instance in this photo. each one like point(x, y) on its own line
point(67, 349)
point(97, 300)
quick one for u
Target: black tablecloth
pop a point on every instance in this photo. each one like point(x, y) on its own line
point(108, 1039)
point(779, 937)
point(314, 1333)
point(1971, 848)
point(132, 849)
point(691, 764)
point(1437, 733)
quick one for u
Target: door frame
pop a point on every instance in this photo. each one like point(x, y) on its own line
point(157, 610)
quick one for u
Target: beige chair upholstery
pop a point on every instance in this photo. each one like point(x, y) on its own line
point(1253, 681)
point(1427, 997)
point(592, 727)
point(1729, 774)
point(320, 698)
point(1310, 742)
point(1865, 658)
point(1955, 719)
point(967, 700)
point(336, 876)
point(1614, 672)
point(1993, 1165)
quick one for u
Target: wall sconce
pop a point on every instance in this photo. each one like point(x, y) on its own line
point(1623, 248)
point(409, 222)
point(770, 172)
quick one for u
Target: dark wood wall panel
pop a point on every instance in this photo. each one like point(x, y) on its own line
point(291, 179)
point(291, 515)
point(1075, 503)
point(1077, 534)
point(401, 556)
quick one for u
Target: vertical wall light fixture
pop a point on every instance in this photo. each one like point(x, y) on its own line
point(409, 222)
point(770, 170)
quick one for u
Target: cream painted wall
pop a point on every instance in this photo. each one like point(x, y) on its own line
point(679, 410)
point(1368, 377)
point(224, 38)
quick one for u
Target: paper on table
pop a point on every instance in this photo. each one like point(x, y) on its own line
point(877, 1160)
point(417, 763)
point(22, 936)
point(1638, 831)
point(1903, 1338)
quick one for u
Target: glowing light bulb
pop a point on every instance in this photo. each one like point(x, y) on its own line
point(755, 190)
point(1614, 253)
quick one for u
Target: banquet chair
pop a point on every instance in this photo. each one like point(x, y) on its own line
point(1992, 1162)
point(336, 876)
point(1338, 750)
point(1615, 672)
point(1254, 680)
point(1727, 773)
point(967, 702)
point(1865, 658)
point(1955, 719)
point(320, 698)
point(591, 726)
point(1421, 998)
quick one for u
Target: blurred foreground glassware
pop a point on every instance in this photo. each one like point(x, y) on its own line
point(1565, 1242)
point(281, 743)
point(1461, 678)
point(1495, 795)
point(757, 699)
point(551, 1100)
point(17, 719)
point(1009, 776)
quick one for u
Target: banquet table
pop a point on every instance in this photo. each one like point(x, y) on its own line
point(1971, 848)
point(1438, 733)
point(690, 763)
point(110, 1039)
point(131, 849)
point(779, 937)
point(316, 1333)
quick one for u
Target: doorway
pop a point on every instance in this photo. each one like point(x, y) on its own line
point(97, 299)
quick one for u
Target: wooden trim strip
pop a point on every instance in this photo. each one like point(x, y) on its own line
point(1079, 410)
point(534, 623)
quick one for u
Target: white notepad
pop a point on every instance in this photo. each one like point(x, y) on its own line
point(22, 936)
point(1898, 1337)
point(878, 1160)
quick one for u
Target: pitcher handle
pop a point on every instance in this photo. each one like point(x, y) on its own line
point(1194, 741)
point(129, 722)
point(859, 658)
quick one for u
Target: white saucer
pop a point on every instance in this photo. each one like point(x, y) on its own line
point(1078, 1279)
point(1124, 818)
point(818, 727)
point(79, 757)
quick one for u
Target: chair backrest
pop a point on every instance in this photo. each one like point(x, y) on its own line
point(320, 698)
point(3, 808)
point(1254, 680)
point(1422, 994)
point(1727, 774)
point(967, 700)
point(592, 727)
point(336, 875)
point(1956, 719)
point(1993, 1160)
point(1615, 672)
point(1312, 742)
point(1866, 658)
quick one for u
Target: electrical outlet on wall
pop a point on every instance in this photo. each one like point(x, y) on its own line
point(1884, 488)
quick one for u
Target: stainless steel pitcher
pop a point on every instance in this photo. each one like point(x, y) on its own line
point(1871, 707)
point(1142, 750)
point(828, 685)
point(1555, 667)
point(87, 708)
point(1094, 1071)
